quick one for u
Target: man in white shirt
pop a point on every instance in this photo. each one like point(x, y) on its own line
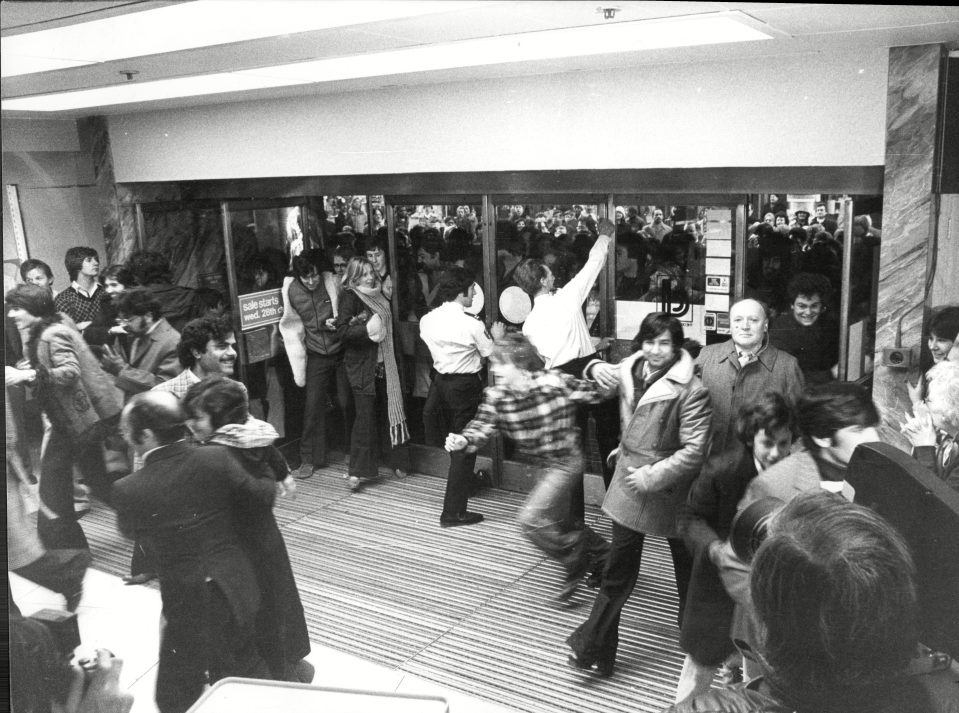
point(557, 328)
point(457, 342)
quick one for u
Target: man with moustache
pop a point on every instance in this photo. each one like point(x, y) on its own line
point(738, 372)
point(207, 346)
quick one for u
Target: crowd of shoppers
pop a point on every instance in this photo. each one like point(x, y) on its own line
point(135, 376)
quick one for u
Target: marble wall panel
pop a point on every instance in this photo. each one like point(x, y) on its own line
point(909, 216)
point(118, 222)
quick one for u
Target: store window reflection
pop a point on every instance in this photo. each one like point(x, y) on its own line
point(191, 237)
point(429, 239)
point(663, 249)
point(265, 240)
point(560, 234)
point(795, 256)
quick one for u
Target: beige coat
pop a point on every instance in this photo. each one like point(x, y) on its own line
point(668, 429)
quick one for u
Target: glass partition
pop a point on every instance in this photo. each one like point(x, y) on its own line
point(429, 237)
point(678, 255)
point(351, 214)
point(821, 289)
point(560, 232)
point(191, 236)
point(264, 239)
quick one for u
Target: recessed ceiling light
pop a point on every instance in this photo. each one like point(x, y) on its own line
point(622, 37)
point(202, 23)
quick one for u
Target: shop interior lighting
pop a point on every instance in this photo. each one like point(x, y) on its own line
point(609, 38)
point(188, 25)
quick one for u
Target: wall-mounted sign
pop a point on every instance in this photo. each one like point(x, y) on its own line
point(717, 284)
point(258, 309)
point(722, 323)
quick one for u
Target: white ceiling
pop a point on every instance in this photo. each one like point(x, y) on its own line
point(799, 28)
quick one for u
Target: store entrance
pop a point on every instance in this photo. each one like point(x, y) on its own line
point(689, 254)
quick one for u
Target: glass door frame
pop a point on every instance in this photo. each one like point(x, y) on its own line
point(511, 474)
point(427, 459)
point(227, 208)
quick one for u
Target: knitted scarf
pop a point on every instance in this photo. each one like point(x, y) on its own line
point(378, 304)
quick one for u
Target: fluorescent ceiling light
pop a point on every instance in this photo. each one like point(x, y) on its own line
point(196, 24)
point(618, 37)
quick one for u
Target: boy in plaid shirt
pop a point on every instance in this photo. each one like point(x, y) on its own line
point(537, 409)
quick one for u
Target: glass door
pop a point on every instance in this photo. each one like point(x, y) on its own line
point(190, 235)
point(680, 254)
point(558, 230)
point(261, 240)
point(821, 288)
point(426, 235)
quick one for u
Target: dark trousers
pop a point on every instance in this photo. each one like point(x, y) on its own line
point(598, 638)
point(202, 643)
point(58, 528)
point(293, 399)
point(606, 416)
point(60, 571)
point(370, 437)
point(321, 372)
point(450, 405)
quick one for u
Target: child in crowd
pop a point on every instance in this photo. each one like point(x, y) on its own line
point(537, 409)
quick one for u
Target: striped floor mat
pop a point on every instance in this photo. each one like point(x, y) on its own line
point(469, 608)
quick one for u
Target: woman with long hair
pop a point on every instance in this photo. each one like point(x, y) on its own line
point(80, 400)
point(366, 326)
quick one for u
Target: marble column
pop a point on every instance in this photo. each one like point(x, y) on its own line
point(909, 217)
point(118, 216)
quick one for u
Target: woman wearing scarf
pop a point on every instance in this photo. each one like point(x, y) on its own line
point(218, 412)
point(366, 327)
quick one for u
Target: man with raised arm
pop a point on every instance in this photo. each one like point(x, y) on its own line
point(556, 327)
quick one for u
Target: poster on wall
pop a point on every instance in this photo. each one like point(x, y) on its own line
point(709, 322)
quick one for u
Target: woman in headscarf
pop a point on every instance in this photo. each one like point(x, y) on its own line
point(366, 326)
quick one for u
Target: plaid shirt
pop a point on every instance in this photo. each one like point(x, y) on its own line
point(78, 306)
point(179, 384)
point(541, 420)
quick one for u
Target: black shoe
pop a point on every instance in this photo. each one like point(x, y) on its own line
point(73, 599)
point(141, 578)
point(481, 481)
point(604, 667)
point(464, 518)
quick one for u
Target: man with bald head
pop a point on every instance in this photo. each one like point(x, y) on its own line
point(186, 502)
point(741, 370)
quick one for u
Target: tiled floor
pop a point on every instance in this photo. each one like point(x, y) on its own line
point(125, 620)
